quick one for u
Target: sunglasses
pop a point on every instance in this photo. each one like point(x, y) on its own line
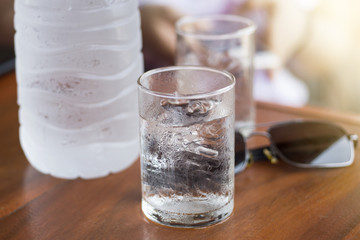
point(301, 143)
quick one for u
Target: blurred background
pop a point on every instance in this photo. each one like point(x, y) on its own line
point(329, 61)
point(306, 50)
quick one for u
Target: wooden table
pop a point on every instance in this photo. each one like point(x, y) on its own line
point(271, 201)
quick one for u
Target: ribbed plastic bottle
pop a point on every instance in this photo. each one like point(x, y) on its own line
point(77, 62)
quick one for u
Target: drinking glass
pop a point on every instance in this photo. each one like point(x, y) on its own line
point(225, 42)
point(187, 145)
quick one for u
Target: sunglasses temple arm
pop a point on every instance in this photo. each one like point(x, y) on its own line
point(257, 155)
point(262, 154)
point(268, 124)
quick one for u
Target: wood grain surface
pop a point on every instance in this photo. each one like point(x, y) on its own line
point(271, 201)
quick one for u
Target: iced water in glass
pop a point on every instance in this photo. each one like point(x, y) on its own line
point(187, 145)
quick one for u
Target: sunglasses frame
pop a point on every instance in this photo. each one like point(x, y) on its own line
point(275, 152)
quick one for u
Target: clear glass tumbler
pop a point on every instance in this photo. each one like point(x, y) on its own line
point(187, 145)
point(225, 42)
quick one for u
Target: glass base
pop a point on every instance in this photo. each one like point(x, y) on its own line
point(245, 128)
point(187, 220)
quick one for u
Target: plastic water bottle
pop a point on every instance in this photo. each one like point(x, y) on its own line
point(77, 62)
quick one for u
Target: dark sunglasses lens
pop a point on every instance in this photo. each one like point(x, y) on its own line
point(311, 143)
point(240, 149)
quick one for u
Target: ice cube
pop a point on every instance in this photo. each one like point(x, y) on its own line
point(176, 108)
point(199, 107)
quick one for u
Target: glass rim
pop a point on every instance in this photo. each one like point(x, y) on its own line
point(246, 30)
point(186, 96)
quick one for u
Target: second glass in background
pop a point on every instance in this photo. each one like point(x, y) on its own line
point(225, 42)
